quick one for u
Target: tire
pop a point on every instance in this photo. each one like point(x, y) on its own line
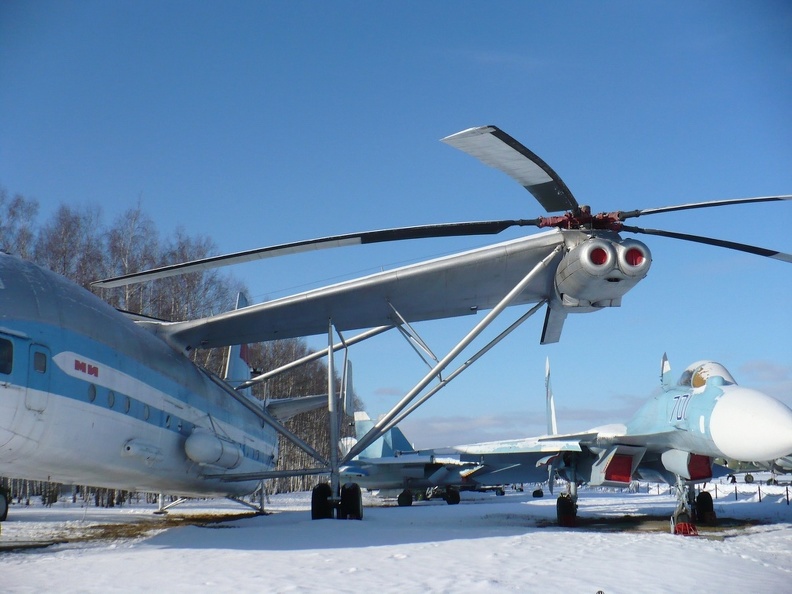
point(321, 506)
point(405, 498)
point(705, 509)
point(452, 496)
point(3, 505)
point(566, 511)
point(351, 502)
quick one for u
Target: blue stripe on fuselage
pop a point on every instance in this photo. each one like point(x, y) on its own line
point(176, 402)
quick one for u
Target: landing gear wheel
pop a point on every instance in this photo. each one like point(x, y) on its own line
point(405, 498)
point(321, 506)
point(566, 511)
point(500, 492)
point(452, 496)
point(705, 510)
point(749, 478)
point(3, 505)
point(351, 507)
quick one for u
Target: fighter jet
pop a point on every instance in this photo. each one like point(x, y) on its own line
point(676, 437)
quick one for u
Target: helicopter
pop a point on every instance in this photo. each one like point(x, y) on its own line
point(88, 396)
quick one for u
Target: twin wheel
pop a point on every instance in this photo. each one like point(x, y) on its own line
point(349, 506)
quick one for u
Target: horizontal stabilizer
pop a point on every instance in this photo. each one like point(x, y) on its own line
point(285, 408)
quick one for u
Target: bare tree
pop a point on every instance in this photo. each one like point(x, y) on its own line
point(17, 224)
point(132, 245)
point(71, 244)
point(192, 295)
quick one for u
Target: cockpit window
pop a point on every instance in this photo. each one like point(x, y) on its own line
point(696, 375)
point(6, 356)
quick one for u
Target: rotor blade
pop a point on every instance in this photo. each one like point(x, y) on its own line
point(741, 247)
point(396, 234)
point(637, 213)
point(495, 148)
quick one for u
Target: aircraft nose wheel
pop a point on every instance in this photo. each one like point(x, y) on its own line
point(566, 511)
point(705, 509)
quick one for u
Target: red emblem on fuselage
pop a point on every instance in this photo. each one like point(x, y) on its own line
point(86, 368)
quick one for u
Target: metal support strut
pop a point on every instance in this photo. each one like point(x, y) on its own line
point(332, 408)
point(381, 426)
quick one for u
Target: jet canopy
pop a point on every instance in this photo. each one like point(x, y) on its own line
point(696, 375)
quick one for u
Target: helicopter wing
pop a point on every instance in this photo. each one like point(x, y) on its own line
point(460, 284)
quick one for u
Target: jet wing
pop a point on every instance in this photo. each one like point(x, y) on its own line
point(408, 460)
point(455, 285)
point(284, 409)
point(514, 448)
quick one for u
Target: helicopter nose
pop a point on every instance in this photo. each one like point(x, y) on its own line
point(749, 426)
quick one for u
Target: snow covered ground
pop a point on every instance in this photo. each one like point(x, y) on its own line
point(485, 544)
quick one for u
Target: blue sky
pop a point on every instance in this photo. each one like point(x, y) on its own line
point(256, 123)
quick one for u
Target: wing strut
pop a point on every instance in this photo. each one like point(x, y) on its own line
point(333, 414)
point(444, 382)
point(381, 426)
point(255, 408)
point(413, 338)
point(314, 356)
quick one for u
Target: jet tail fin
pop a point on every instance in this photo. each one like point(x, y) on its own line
point(665, 373)
point(552, 425)
point(391, 444)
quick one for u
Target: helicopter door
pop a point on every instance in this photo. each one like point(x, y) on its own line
point(38, 383)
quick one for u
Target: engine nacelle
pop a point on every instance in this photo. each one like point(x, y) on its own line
point(599, 271)
point(615, 467)
point(691, 467)
point(206, 447)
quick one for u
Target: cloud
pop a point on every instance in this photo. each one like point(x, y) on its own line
point(765, 371)
point(440, 431)
point(450, 430)
point(388, 391)
point(772, 378)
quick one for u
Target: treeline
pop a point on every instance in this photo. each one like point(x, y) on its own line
point(75, 243)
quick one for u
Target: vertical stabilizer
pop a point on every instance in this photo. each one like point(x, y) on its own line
point(237, 369)
point(665, 373)
point(391, 444)
point(552, 425)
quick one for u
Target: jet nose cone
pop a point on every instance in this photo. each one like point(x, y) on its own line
point(749, 426)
